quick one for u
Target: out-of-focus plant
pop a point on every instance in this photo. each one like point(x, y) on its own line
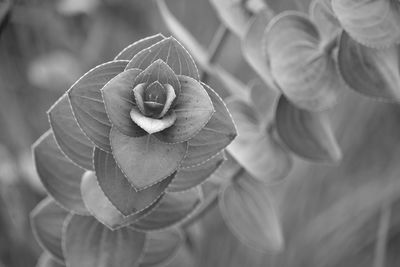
point(132, 141)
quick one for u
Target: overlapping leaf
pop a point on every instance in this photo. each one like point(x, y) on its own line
point(370, 71)
point(303, 69)
point(172, 209)
point(250, 214)
point(87, 242)
point(374, 23)
point(263, 100)
point(161, 247)
point(146, 160)
point(171, 52)
point(255, 148)
point(118, 189)
point(69, 136)
point(215, 135)
point(102, 209)
point(131, 50)
point(322, 14)
point(46, 260)
point(59, 175)
point(306, 133)
point(47, 222)
point(87, 102)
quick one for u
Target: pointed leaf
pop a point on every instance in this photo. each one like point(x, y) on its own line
point(47, 222)
point(263, 100)
point(131, 50)
point(161, 247)
point(59, 175)
point(189, 177)
point(371, 72)
point(119, 99)
point(46, 260)
point(374, 23)
point(305, 71)
point(255, 148)
point(151, 125)
point(145, 160)
point(87, 102)
point(72, 141)
point(193, 109)
point(172, 209)
point(250, 214)
point(322, 14)
point(118, 189)
point(171, 52)
point(88, 243)
point(307, 134)
point(102, 209)
point(252, 48)
point(215, 136)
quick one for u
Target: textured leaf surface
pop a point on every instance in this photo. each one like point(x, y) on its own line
point(131, 50)
point(192, 176)
point(87, 102)
point(250, 214)
point(100, 206)
point(119, 99)
point(373, 23)
point(118, 189)
point(89, 243)
point(46, 260)
point(252, 48)
point(304, 71)
point(161, 247)
point(146, 160)
point(72, 141)
point(369, 71)
point(322, 14)
point(171, 52)
point(172, 209)
point(215, 136)
point(193, 109)
point(307, 134)
point(47, 222)
point(59, 175)
point(255, 148)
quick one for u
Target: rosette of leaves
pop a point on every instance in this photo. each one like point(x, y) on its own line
point(129, 144)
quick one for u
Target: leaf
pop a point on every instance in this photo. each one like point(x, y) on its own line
point(307, 134)
point(215, 136)
point(46, 260)
point(263, 100)
point(87, 102)
point(72, 141)
point(199, 53)
point(305, 71)
point(161, 247)
point(145, 160)
point(172, 209)
point(189, 177)
point(193, 109)
point(322, 14)
point(47, 222)
point(131, 50)
point(253, 50)
point(371, 72)
point(119, 100)
point(88, 243)
point(250, 214)
point(234, 14)
point(5, 9)
point(373, 23)
point(102, 209)
point(59, 175)
point(119, 191)
point(255, 148)
point(171, 52)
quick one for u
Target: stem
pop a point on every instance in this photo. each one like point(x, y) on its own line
point(382, 235)
point(216, 45)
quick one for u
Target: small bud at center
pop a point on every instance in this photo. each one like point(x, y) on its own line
point(156, 93)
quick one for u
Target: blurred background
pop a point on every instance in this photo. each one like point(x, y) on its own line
point(45, 45)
